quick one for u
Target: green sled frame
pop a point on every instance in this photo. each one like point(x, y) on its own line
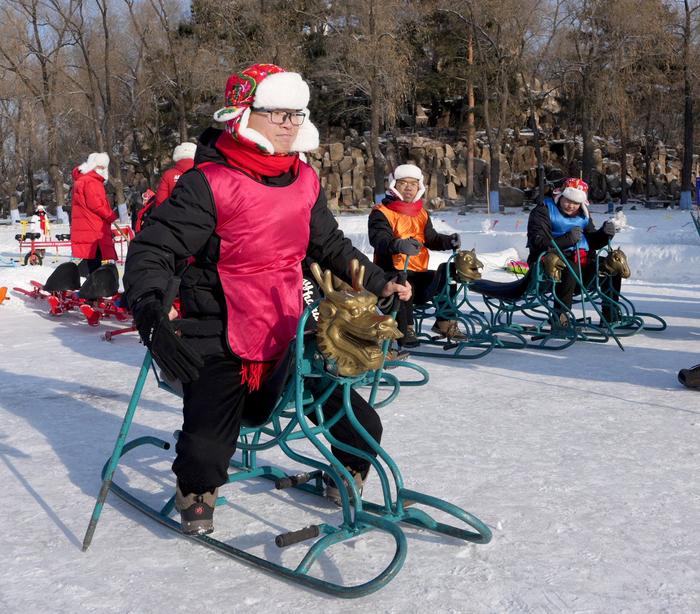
point(452, 302)
point(289, 422)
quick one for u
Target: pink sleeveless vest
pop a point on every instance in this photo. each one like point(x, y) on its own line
point(264, 232)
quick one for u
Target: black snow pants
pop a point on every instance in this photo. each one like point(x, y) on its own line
point(425, 284)
point(212, 414)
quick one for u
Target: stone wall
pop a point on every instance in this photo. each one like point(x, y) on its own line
point(346, 168)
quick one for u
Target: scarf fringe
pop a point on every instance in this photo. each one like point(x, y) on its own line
point(253, 372)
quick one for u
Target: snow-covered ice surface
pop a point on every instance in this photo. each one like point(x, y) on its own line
point(584, 463)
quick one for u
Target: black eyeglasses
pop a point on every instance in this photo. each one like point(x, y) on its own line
point(279, 117)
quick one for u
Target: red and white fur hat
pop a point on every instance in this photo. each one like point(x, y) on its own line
point(575, 190)
point(266, 86)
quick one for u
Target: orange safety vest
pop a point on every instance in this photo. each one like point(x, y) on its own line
point(405, 226)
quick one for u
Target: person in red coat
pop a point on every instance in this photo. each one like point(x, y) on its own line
point(91, 232)
point(183, 156)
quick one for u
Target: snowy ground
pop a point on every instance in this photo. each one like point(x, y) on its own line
point(584, 463)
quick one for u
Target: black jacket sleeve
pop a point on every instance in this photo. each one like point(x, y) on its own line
point(381, 235)
point(434, 239)
point(333, 250)
point(539, 231)
point(177, 229)
point(596, 238)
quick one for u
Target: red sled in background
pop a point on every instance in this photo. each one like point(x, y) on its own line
point(97, 298)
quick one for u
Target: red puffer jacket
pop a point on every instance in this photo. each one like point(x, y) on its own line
point(92, 217)
point(169, 179)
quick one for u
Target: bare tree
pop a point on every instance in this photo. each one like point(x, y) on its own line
point(34, 43)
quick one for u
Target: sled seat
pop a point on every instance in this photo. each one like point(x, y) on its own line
point(30, 236)
point(505, 291)
point(100, 283)
point(64, 237)
point(65, 277)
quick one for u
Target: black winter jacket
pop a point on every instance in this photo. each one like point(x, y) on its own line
point(381, 237)
point(539, 231)
point(179, 239)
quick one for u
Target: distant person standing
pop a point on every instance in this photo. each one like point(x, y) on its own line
point(183, 156)
point(92, 217)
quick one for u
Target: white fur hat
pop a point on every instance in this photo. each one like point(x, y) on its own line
point(183, 151)
point(94, 160)
point(266, 86)
point(407, 171)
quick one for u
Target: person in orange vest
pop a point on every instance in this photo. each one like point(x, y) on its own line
point(400, 228)
point(183, 157)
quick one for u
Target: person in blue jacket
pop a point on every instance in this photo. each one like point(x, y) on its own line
point(565, 219)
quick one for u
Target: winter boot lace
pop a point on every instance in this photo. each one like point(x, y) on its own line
point(196, 511)
point(449, 329)
point(332, 492)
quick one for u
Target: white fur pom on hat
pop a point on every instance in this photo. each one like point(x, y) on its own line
point(183, 151)
point(94, 160)
point(407, 171)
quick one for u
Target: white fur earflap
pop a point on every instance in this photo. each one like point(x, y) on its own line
point(253, 135)
point(282, 90)
point(94, 160)
point(407, 171)
point(307, 137)
point(183, 151)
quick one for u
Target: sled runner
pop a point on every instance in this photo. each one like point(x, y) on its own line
point(622, 316)
point(344, 355)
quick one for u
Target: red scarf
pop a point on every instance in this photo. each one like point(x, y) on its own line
point(254, 161)
point(412, 209)
point(581, 256)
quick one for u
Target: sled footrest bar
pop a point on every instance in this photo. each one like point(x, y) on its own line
point(295, 480)
point(294, 537)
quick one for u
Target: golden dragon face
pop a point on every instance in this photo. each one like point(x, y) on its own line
point(615, 263)
point(350, 331)
point(553, 265)
point(467, 265)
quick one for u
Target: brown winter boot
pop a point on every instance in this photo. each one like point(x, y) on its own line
point(449, 329)
point(409, 340)
point(196, 511)
point(332, 492)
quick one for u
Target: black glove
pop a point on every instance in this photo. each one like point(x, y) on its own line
point(609, 228)
point(410, 247)
point(169, 351)
point(455, 241)
point(575, 235)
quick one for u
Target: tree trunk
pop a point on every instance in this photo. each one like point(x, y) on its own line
point(647, 167)
point(623, 164)
point(686, 172)
point(377, 155)
point(470, 122)
point(375, 116)
point(587, 136)
point(494, 176)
